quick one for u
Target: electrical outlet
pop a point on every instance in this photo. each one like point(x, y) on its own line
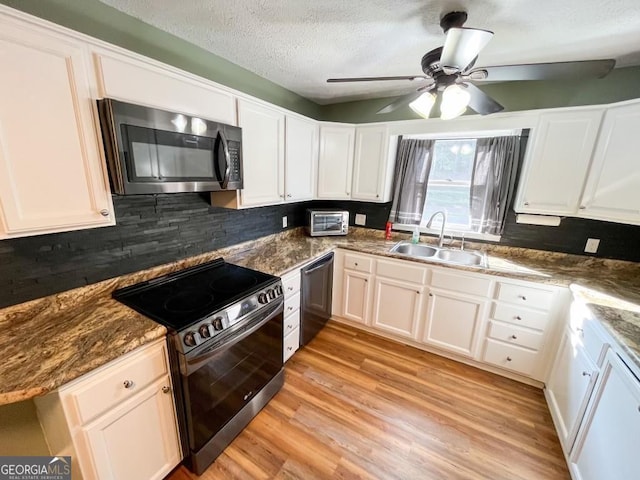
point(284, 222)
point(592, 245)
point(361, 219)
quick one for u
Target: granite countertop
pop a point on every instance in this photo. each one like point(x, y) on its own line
point(50, 341)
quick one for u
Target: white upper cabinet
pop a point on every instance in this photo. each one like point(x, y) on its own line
point(612, 192)
point(262, 153)
point(336, 162)
point(136, 80)
point(558, 161)
point(371, 168)
point(301, 158)
point(52, 174)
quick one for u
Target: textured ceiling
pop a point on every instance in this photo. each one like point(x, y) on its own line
point(298, 44)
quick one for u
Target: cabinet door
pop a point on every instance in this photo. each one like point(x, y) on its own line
point(262, 154)
point(557, 164)
point(52, 176)
point(396, 307)
point(147, 83)
point(301, 159)
point(453, 321)
point(607, 445)
point(335, 163)
point(355, 302)
point(612, 192)
point(139, 439)
point(369, 164)
point(568, 388)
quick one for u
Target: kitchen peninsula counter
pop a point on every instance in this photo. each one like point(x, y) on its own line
point(52, 340)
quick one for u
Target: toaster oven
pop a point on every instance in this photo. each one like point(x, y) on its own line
point(327, 222)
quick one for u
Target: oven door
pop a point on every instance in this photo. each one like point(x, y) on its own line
point(219, 381)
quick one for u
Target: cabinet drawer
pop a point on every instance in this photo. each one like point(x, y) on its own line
point(520, 316)
point(358, 263)
point(291, 344)
point(461, 283)
point(402, 271)
point(292, 304)
point(516, 335)
point(291, 322)
point(525, 295)
point(106, 388)
point(510, 357)
point(291, 284)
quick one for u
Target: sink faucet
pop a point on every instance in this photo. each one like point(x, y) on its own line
point(444, 220)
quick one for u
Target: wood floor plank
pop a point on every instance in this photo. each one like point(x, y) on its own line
point(358, 406)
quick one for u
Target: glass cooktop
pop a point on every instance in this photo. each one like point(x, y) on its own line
point(178, 299)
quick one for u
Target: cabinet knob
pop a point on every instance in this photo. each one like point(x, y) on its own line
point(288, 195)
point(365, 280)
point(522, 297)
point(289, 308)
point(289, 348)
point(418, 292)
point(586, 374)
point(166, 389)
point(377, 196)
point(289, 327)
point(104, 212)
point(518, 317)
point(128, 384)
point(582, 207)
point(431, 294)
point(526, 204)
point(290, 289)
point(356, 264)
point(509, 359)
point(348, 193)
point(514, 337)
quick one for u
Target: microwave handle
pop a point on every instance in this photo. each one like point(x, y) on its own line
point(227, 160)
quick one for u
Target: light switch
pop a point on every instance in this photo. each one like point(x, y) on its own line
point(361, 219)
point(284, 222)
point(592, 245)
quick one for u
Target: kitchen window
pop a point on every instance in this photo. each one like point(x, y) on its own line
point(470, 178)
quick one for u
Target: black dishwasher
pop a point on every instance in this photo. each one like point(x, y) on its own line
point(317, 282)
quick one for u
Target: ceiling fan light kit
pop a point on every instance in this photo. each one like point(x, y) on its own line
point(448, 71)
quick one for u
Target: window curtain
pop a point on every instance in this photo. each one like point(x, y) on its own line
point(413, 164)
point(492, 182)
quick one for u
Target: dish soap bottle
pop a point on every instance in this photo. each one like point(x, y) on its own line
point(415, 237)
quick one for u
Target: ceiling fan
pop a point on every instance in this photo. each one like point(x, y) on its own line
point(448, 70)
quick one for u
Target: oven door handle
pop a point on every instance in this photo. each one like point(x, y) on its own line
point(195, 363)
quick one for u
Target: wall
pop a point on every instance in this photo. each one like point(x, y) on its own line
point(151, 230)
point(106, 23)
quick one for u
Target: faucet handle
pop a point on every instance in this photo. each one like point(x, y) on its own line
point(462, 241)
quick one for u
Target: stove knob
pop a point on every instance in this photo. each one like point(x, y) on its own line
point(262, 298)
point(190, 339)
point(204, 331)
point(271, 293)
point(278, 289)
point(217, 323)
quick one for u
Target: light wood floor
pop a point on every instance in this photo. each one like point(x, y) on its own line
point(355, 405)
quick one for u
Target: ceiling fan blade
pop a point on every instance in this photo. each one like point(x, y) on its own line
point(376, 79)
point(461, 47)
point(481, 102)
point(543, 71)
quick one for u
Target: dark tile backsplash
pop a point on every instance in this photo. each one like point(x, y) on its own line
point(156, 229)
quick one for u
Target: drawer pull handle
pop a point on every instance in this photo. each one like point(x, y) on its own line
point(522, 297)
point(586, 374)
point(128, 384)
point(104, 212)
point(514, 337)
point(518, 317)
point(166, 389)
point(509, 359)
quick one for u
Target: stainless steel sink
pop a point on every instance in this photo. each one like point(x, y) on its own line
point(414, 250)
point(440, 255)
point(460, 257)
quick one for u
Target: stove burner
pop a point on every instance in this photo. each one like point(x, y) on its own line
point(233, 282)
point(188, 301)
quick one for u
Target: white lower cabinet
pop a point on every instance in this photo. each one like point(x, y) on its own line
point(119, 421)
point(607, 444)
point(397, 307)
point(453, 321)
point(356, 296)
point(291, 326)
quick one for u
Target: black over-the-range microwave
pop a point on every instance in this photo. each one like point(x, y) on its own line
point(155, 151)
